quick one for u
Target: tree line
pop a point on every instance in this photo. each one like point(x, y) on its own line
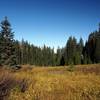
point(14, 52)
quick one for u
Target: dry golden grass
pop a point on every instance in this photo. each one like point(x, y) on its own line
point(56, 83)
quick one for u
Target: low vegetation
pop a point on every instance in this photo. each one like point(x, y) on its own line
point(51, 83)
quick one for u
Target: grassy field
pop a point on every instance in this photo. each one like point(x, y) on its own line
point(52, 83)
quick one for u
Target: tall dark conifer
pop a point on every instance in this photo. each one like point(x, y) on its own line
point(7, 48)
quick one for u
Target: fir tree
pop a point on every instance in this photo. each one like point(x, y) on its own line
point(7, 47)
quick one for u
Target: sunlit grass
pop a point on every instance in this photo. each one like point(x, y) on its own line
point(56, 83)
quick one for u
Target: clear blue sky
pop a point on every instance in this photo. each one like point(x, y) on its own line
point(51, 22)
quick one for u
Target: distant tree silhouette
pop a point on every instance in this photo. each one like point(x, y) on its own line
point(62, 61)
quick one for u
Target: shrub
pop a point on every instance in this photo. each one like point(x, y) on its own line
point(23, 85)
point(7, 82)
point(71, 67)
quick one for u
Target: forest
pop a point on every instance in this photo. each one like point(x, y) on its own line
point(29, 72)
point(15, 52)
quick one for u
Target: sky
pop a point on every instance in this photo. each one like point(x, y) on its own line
point(51, 22)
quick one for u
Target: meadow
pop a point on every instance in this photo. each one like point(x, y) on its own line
point(51, 83)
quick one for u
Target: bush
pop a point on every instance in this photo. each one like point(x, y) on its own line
point(23, 85)
point(7, 82)
point(71, 67)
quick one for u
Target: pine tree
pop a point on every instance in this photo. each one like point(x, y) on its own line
point(18, 52)
point(97, 48)
point(62, 61)
point(7, 48)
point(58, 56)
point(80, 46)
point(70, 51)
point(0, 49)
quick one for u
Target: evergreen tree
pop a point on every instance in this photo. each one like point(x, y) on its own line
point(58, 56)
point(0, 49)
point(18, 52)
point(79, 54)
point(93, 48)
point(97, 48)
point(62, 61)
point(70, 51)
point(7, 48)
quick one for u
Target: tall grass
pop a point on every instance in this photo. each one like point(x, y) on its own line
point(56, 84)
